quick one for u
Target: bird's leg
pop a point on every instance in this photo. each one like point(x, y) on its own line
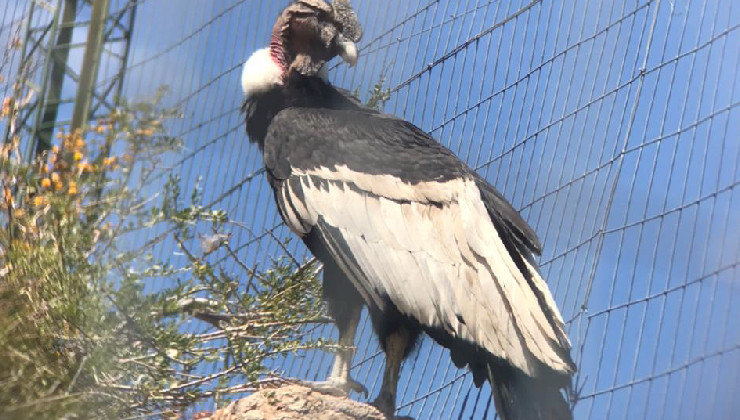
point(396, 346)
point(343, 359)
point(339, 381)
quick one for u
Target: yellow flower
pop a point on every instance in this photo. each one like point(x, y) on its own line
point(83, 166)
point(19, 212)
point(8, 195)
point(78, 156)
point(72, 188)
point(46, 183)
point(38, 201)
point(79, 142)
point(109, 161)
point(54, 177)
point(7, 106)
point(58, 186)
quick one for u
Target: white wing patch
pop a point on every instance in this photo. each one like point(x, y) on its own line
point(385, 185)
point(433, 250)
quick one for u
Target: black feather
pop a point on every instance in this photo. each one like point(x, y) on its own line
point(307, 124)
point(518, 396)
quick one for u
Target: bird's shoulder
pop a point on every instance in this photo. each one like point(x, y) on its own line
point(363, 140)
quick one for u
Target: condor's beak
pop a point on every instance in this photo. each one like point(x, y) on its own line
point(348, 51)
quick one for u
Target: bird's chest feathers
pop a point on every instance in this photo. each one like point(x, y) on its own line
point(276, 158)
point(283, 155)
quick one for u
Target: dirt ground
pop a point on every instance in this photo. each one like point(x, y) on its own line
point(295, 402)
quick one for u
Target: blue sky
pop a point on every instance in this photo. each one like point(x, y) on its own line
point(608, 124)
point(613, 126)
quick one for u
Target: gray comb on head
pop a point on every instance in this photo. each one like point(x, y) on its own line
point(347, 20)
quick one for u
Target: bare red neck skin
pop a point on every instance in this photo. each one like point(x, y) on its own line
point(276, 51)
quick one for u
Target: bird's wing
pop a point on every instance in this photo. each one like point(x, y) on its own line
point(505, 217)
point(408, 223)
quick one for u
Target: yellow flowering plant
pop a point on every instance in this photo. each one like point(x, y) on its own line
point(79, 335)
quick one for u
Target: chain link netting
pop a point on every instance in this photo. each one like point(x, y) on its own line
point(612, 126)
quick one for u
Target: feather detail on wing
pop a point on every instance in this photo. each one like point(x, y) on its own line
point(432, 249)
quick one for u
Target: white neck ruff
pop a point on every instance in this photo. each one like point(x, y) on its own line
point(260, 73)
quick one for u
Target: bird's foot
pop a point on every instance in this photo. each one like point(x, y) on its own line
point(386, 405)
point(339, 387)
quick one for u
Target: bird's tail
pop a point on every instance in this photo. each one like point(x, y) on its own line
point(518, 396)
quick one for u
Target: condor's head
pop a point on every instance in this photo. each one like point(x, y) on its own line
point(307, 34)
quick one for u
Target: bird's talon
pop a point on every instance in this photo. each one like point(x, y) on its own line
point(335, 387)
point(325, 387)
point(357, 387)
point(388, 412)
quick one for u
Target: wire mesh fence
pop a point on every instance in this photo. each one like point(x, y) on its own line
point(612, 126)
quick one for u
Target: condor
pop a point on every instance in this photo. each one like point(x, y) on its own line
point(401, 225)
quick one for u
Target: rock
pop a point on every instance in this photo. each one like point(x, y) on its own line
point(296, 402)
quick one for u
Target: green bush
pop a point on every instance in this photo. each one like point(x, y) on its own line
point(79, 335)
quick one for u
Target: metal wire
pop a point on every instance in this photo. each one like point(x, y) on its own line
point(612, 126)
point(531, 95)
